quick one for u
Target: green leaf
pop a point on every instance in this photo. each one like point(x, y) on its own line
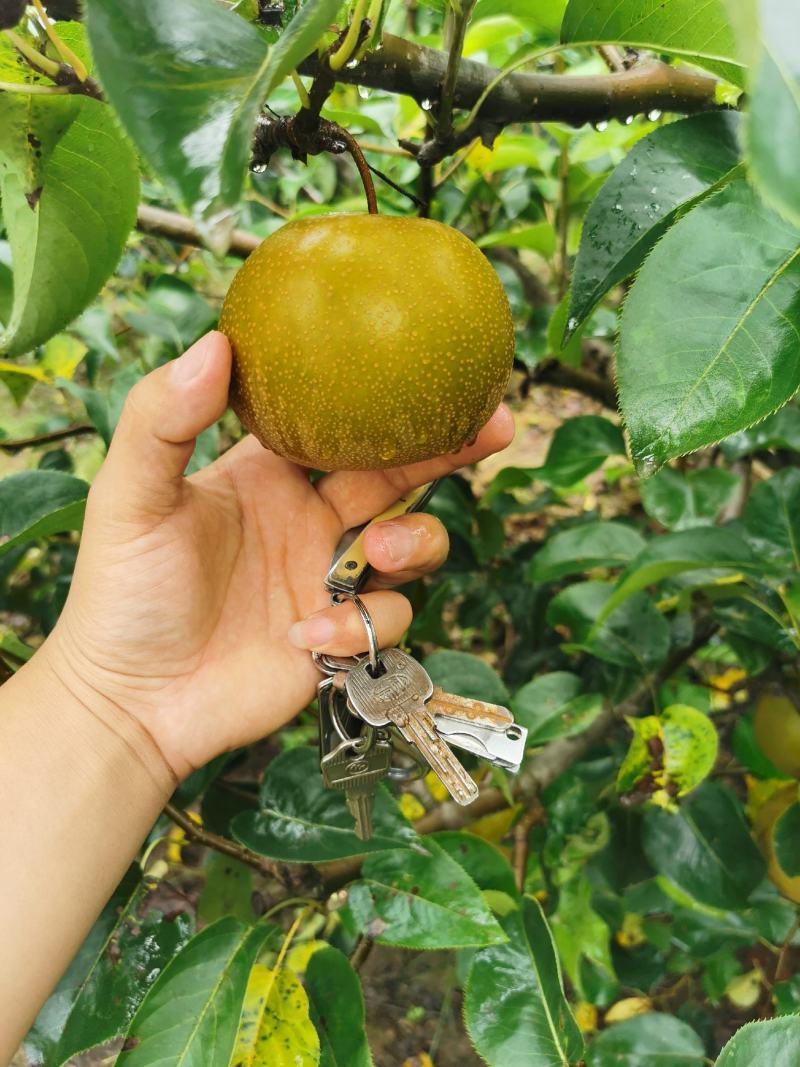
point(337, 1010)
point(65, 246)
point(550, 706)
point(466, 676)
point(665, 172)
point(705, 548)
point(191, 1014)
point(636, 636)
point(113, 969)
point(38, 504)
point(275, 1029)
point(682, 500)
point(772, 518)
point(538, 236)
point(773, 112)
point(302, 822)
point(580, 933)
point(484, 863)
point(515, 1010)
point(228, 890)
point(781, 430)
point(680, 27)
point(732, 266)
point(188, 79)
point(771, 1043)
point(706, 849)
point(422, 900)
point(646, 1040)
point(579, 446)
point(786, 840)
point(579, 548)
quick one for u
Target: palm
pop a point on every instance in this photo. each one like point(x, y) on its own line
point(208, 595)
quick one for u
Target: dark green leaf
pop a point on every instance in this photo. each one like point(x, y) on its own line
point(484, 863)
point(421, 899)
point(191, 1013)
point(302, 822)
point(39, 503)
point(188, 79)
point(682, 500)
point(680, 27)
point(773, 121)
point(786, 839)
point(732, 266)
point(579, 548)
point(705, 849)
point(634, 636)
point(646, 1040)
point(115, 966)
point(466, 676)
point(337, 1010)
point(66, 246)
point(514, 1005)
point(705, 548)
point(772, 518)
point(773, 1043)
point(550, 706)
point(663, 173)
point(173, 311)
point(580, 446)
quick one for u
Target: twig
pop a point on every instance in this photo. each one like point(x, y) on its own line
point(361, 952)
point(455, 30)
point(363, 169)
point(519, 852)
point(536, 292)
point(563, 376)
point(178, 228)
point(20, 443)
point(613, 56)
point(267, 868)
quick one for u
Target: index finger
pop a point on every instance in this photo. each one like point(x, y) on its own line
point(357, 496)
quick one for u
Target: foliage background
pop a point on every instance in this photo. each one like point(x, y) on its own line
point(632, 625)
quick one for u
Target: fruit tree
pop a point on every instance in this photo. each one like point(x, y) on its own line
point(626, 578)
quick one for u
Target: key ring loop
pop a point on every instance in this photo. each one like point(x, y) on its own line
point(369, 626)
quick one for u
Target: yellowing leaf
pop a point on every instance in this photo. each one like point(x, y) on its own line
point(493, 828)
point(631, 933)
point(585, 1016)
point(435, 787)
point(744, 991)
point(62, 355)
point(275, 1029)
point(422, 1060)
point(412, 808)
point(298, 958)
point(628, 1008)
point(728, 678)
point(759, 792)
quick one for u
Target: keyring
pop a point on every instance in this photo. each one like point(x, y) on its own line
point(369, 626)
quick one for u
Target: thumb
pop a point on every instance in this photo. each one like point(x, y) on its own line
point(162, 416)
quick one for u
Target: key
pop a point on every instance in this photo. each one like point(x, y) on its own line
point(487, 730)
point(354, 765)
point(397, 695)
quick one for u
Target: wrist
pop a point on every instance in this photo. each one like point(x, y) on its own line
point(104, 733)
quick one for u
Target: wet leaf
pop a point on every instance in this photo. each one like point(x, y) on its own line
point(337, 1010)
point(275, 1029)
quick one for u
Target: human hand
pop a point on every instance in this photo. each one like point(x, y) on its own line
point(195, 600)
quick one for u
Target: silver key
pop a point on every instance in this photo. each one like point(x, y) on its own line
point(354, 764)
point(487, 730)
point(397, 695)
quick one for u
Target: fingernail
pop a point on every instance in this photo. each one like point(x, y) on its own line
point(190, 364)
point(312, 632)
point(398, 541)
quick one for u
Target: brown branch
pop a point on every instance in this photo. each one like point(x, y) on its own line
point(161, 223)
point(613, 57)
point(536, 292)
point(268, 868)
point(20, 443)
point(561, 375)
point(415, 70)
point(519, 853)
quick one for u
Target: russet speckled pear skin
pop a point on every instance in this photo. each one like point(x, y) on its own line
point(365, 341)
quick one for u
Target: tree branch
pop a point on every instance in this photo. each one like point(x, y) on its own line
point(175, 227)
point(20, 443)
point(415, 70)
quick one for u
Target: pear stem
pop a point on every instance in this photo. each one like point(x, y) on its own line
point(363, 169)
